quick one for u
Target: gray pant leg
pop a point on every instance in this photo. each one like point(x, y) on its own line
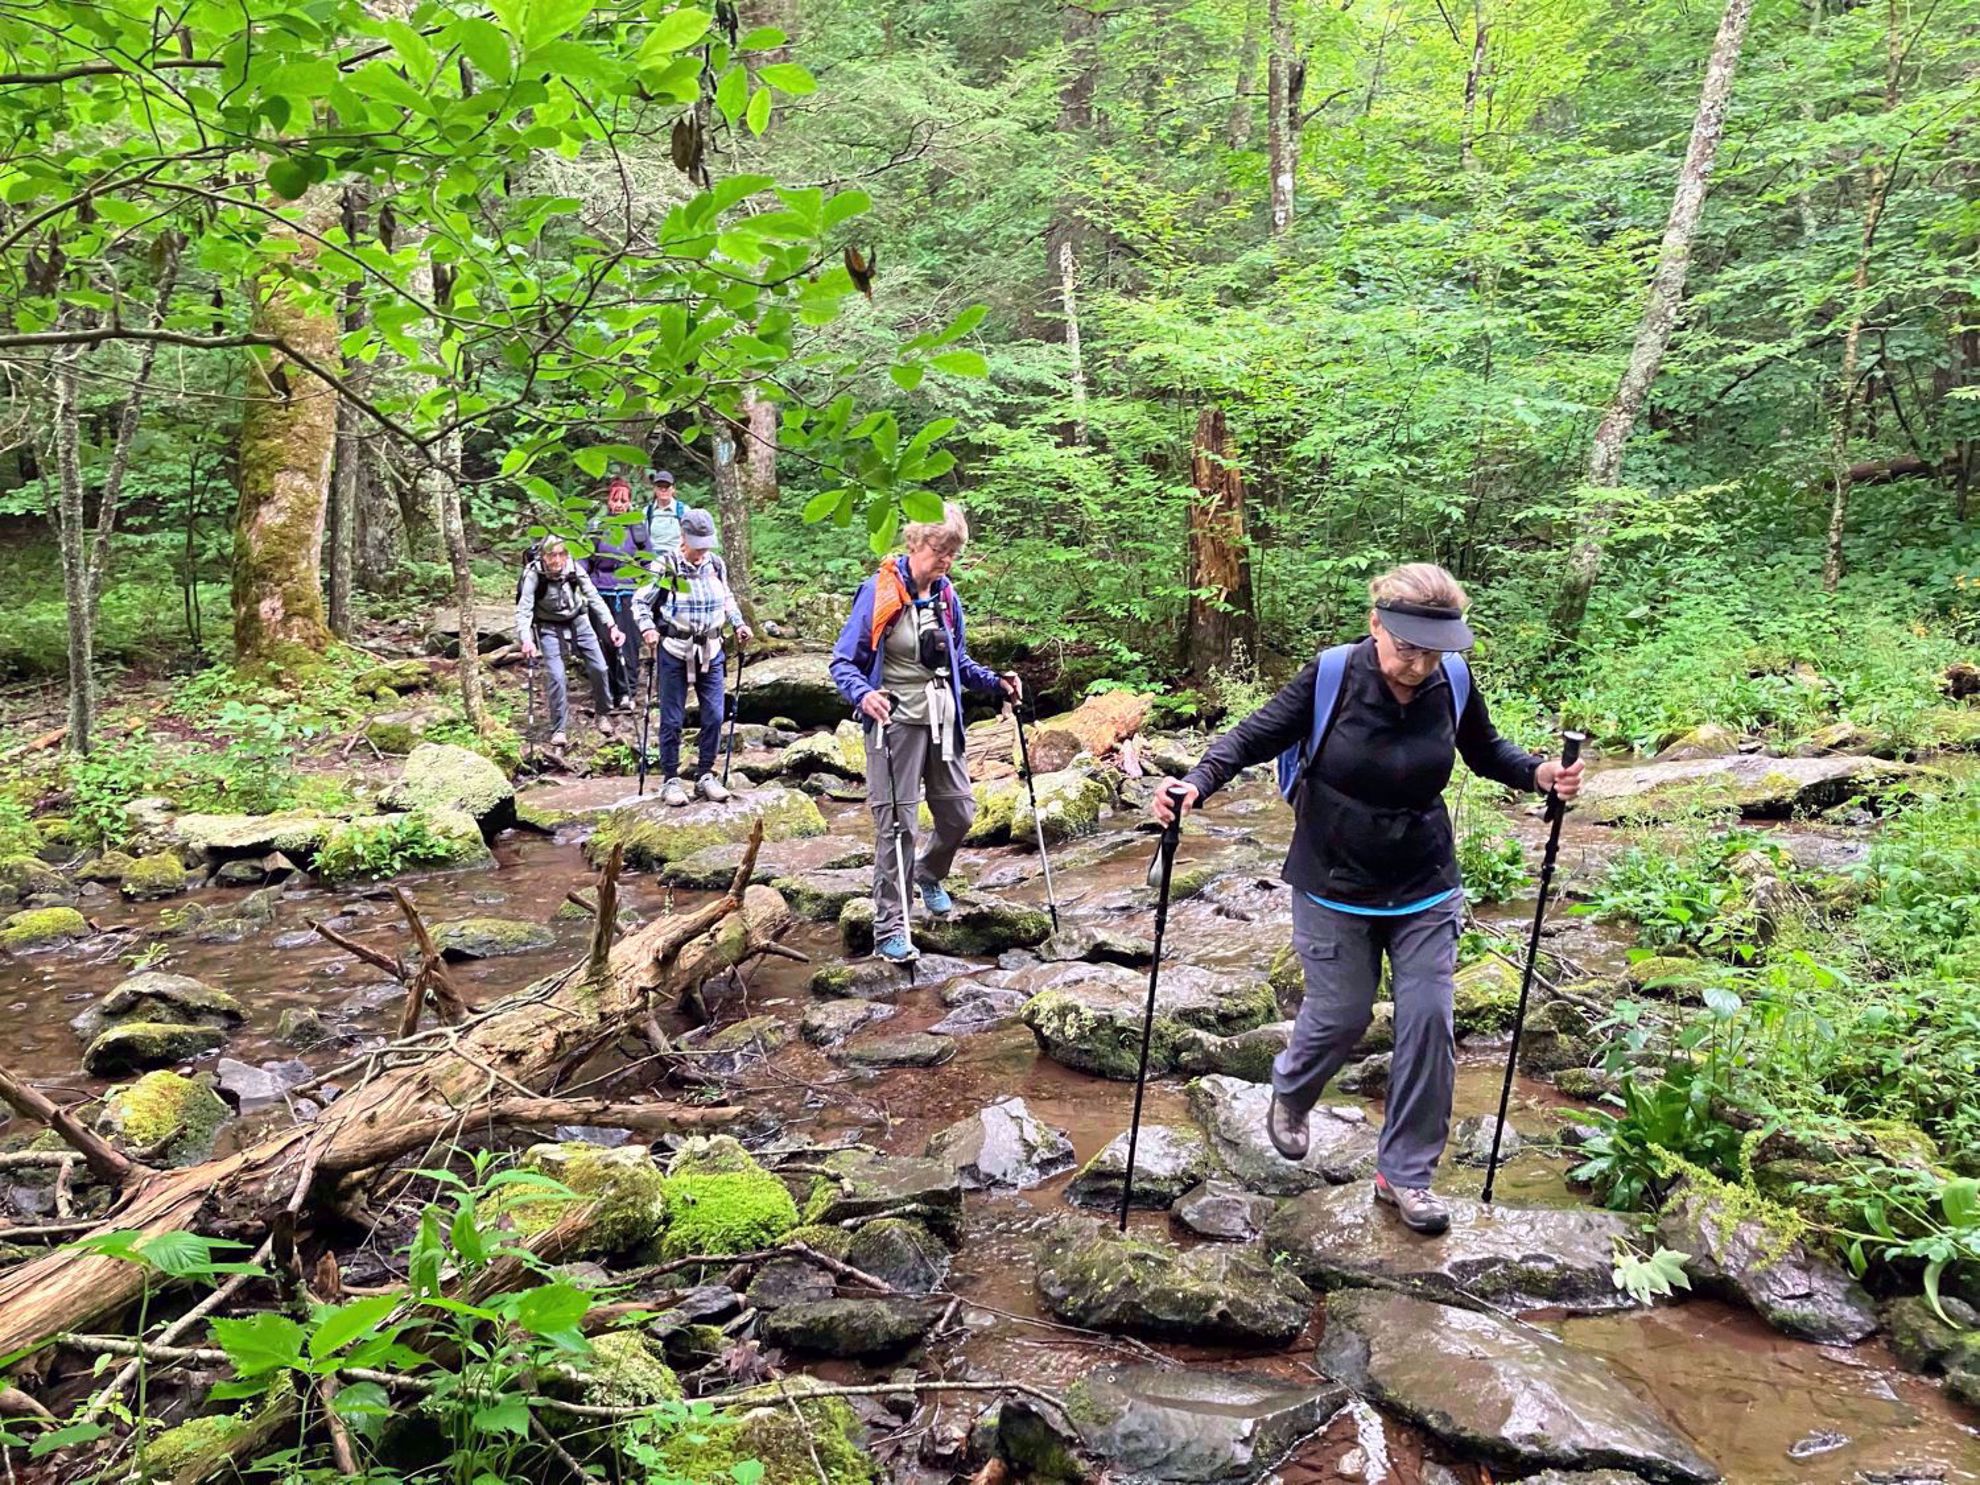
point(953, 808)
point(593, 655)
point(1341, 957)
point(1423, 1072)
point(551, 643)
point(907, 751)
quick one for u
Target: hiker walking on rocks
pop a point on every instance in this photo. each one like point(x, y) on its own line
point(664, 510)
point(681, 614)
point(1371, 732)
point(620, 550)
point(555, 608)
point(902, 663)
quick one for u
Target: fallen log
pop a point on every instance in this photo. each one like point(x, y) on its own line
point(442, 1079)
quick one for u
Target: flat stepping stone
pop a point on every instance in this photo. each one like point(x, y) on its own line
point(905, 1049)
point(1089, 1016)
point(978, 924)
point(858, 1184)
point(1002, 1146)
point(850, 1327)
point(1493, 1389)
point(1167, 1162)
point(1157, 1423)
point(1515, 1257)
point(1758, 787)
point(829, 1021)
point(489, 938)
point(1224, 1211)
point(713, 868)
point(654, 833)
point(820, 895)
point(1231, 1115)
point(976, 1007)
point(880, 979)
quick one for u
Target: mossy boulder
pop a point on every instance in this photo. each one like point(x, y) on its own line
point(713, 869)
point(1671, 975)
point(654, 834)
point(489, 938)
point(719, 1200)
point(901, 1049)
point(621, 1186)
point(107, 869)
point(794, 689)
point(792, 1436)
point(1751, 1253)
point(1070, 803)
point(840, 753)
point(41, 928)
point(1925, 1341)
point(1558, 1038)
point(303, 1028)
point(61, 838)
point(392, 678)
point(443, 776)
point(371, 846)
point(1755, 786)
point(1247, 1055)
point(224, 837)
point(1168, 1162)
point(1708, 740)
point(996, 809)
point(624, 1370)
point(858, 1185)
point(396, 734)
point(821, 896)
point(899, 1252)
point(1089, 1016)
point(173, 1118)
point(153, 877)
point(30, 879)
point(850, 1327)
point(139, 1046)
point(223, 924)
point(1485, 997)
point(979, 925)
point(153, 995)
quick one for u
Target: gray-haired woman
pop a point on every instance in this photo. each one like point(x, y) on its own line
point(1373, 865)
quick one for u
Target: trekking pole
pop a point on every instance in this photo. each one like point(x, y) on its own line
point(651, 677)
point(1556, 811)
point(529, 705)
point(900, 829)
point(1037, 821)
point(731, 704)
point(1159, 872)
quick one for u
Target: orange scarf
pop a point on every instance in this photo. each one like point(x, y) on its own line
point(890, 599)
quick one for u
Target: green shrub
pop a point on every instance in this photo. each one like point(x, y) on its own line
point(385, 847)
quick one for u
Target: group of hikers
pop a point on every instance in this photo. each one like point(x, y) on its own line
point(1366, 736)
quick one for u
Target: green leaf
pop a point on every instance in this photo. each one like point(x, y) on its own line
point(185, 1254)
point(757, 116)
point(592, 461)
point(550, 1308)
point(787, 77)
point(732, 93)
point(961, 363)
point(506, 1415)
point(1960, 1201)
point(820, 506)
point(922, 505)
point(762, 39)
point(485, 45)
point(963, 323)
point(906, 377)
point(546, 20)
point(62, 1438)
point(262, 1342)
point(336, 1328)
point(845, 206)
point(288, 178)
point(672, 32)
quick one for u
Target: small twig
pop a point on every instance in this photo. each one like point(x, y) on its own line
point(27, 1159)
point(577, 899)
point(46, 1231)
point(782, 951)
point(549, 1441)
point(447, 997)
point(804, 1428)
point(104, 1163)
point(64, 1174)
point(341, 1452)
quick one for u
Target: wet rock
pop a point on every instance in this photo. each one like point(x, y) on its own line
point(1070, 804)
point(1738, 1256)
point(821, 896)
point(1758, 787)
point(1167, 1162)
point(1089, 1016)
point(251, 1087)
point(1471, 1141)
point(850, 1327)
point(247, 872)
point(1710, 740)
point(832, 1021)
point(1485, 997)
point(790, 1280)
point(1084, 941)
point(1247, 1056)
point(840, 753)
point(173, 1120)
point(224, 925)
point(1509, 1256)
point(153, 995)
point(789, 691)
point(153, 877)
point(443, 776)
point(1498, 1390)
point(978, 925)
point(712, 870)
point(860, 1185)
point(621, 1189)
point(303, 1028)
point(904, 1049)
point(1557, 1038)
point(654, 834)
point(489, 938)
point(35, 929)
point(724, 1052)
point(1028, 1443)
point(1223, 1210)
point(139, 1046)
point(1231, 1115)
point(223, 837)
point(1158, 1423)
point(877, 979)
point(901, 1253)
point(1368, 1078)
point(975, 1007)
point(1091, 1275)
point(107, 869)
point(1926, 1343)
point(1002, 1146)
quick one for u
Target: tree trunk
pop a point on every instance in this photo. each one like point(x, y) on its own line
point(74, 539)
point(1079, 32)
point(1076, 364)
point(1878, 192)
point(446, 494)
point(288, 433)
point(732, 505)
point(760, 450)
point(1221, 621)
point(345, 476)
point(1468, 123)
point(1237, 128)
point(1653, 333)
point(129, 419)
point(1279, 142)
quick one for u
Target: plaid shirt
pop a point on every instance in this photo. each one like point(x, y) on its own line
point(699, 606)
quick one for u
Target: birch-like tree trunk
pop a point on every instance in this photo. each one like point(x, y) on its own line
point(1075, 361)
point(1237, 127)
point(74, 541)
point(732, 505)
point(1653, 333)
point(1280, 144)
point(1468, 120)
point(760, 450)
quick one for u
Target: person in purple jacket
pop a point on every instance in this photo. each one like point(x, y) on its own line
point(902, 663)
point(620, 551)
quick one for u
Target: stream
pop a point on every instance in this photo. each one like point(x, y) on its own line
point(1750, 1399)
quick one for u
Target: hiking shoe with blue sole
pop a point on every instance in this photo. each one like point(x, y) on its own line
point(897, 950)
point(936, 899)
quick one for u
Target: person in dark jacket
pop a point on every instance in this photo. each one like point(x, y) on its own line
point(905, 641)
point(1373, 866)
point(620, 552)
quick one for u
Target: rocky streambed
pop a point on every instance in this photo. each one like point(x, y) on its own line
point(957, 1134)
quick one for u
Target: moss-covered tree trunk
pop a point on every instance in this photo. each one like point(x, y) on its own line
point(1221, 619)
point(288, 435)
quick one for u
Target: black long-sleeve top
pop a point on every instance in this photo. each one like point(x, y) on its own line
point(1370, 827)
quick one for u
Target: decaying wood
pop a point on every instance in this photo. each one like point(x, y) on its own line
point(1097, 725)
point(432, 982)
point(104, 1163)
point(438, 1081)
point(605, 917)
point(991, 749)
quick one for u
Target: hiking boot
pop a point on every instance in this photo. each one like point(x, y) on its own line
point(1286, 1127)
point(712, 789)
point(1420, 1208)
point(897, 950)
point(674, 793)
point(560, 738)
point(936, 899)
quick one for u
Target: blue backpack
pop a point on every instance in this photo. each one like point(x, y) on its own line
point(1295, 760)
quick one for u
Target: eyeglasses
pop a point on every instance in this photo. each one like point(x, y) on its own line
point(1407, 652)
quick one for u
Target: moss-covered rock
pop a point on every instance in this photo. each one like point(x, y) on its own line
point(713, 869)
point(176, 1452)
point(442, 776)
point(1756, 786)
point(722, 1204)
point(996, 809)
point(1557, 1038)
point(625, 1371)
point(303, 1028)
point(223, 925)
point(727, 1050)
point(1749, 1251)
point(41, 928)
point(839, 753)
point(153, 995)
point(1672, 975)
point(1089, 1016)
point(153, 877)
point(374, 846)
point(980, 925)
point(1247, 1055)
point(392, 678)
point(859, 1185)
point(849, 1327)
point(107, 869)
point(793, 1437)
point(489, 938)
point(654, 834)
point(1070, 803)
point(222, 837)
point(622, 1187)
point(901, 1253)
point(61, 838)
point(1485, 997)
point(30, 879)
point(821, 896)
point(139, 1046)
point(163, 1106)
point(834, 1242)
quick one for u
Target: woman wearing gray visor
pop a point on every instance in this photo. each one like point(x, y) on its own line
point(1373, 731)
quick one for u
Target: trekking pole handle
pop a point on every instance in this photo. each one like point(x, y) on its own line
point(1570, 751)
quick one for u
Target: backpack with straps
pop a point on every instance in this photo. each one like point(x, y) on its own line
point(1327, 682)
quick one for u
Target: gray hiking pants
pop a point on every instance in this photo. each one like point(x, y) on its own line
point(557, 641)
point(916, 760)
point(1341, 956)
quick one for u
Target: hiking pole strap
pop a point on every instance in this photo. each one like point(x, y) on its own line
point(1556, 812)
point(1165, 858)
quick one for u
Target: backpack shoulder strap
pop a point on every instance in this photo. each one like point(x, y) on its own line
point(1327, 684)
point(1458, 673)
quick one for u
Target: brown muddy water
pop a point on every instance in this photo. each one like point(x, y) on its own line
point(1754, 1402)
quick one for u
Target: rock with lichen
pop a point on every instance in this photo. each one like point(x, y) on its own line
point(153, 877)
point(31, 880)
point(154, 995)
point(139, 1046)
point(173, 1119)
point(620, 1188)
point(41, 928)
point(795, 1438)
point(654, 833)
point(444, 776)
point(718, 1199)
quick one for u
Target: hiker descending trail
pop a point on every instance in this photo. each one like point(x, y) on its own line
point(556, 607)
point(681, 614)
